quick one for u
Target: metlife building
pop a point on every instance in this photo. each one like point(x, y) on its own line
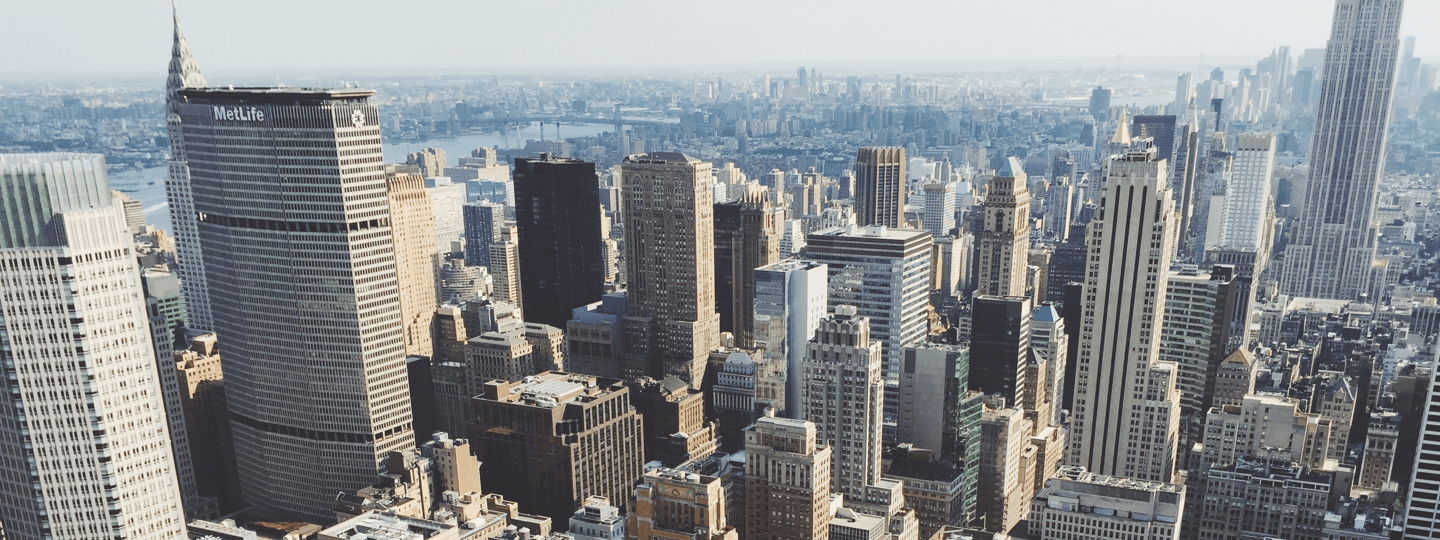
point(290, 201)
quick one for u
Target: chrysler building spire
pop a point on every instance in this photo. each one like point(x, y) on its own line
point(184, 70)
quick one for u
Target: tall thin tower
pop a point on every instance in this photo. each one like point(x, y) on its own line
point(294, 218)
point(880, 186)
point(670, 318)
point(87, 447)
point(1127, 408)
point(184, 73)
point(1005, 236)
point(1333, 249)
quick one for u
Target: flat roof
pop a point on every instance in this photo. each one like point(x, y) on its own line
point(276, 93)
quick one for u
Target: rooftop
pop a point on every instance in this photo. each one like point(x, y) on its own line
point(276, 94)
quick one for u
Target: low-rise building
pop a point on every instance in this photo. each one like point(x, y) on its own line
point(1080, 505)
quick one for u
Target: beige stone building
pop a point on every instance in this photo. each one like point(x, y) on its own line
point(679, 505)
point(412, 222)
point(844, 394)
point(1003, 245)
point(787, 481)
point(670, 321)
point(880, 186)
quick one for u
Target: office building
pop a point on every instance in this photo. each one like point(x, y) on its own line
point(952, 257)
point(447, 201)
point(787, 481)
point(1049, 356)
point(1161, 128)
point(880, 186)
point(1247, 217)
point(676, 430)
point(937, 490)
point(1265, 425)
point(1006, 465)
point(937, 410)
point(558, 213)
point(499, 356)
point(484, 223)
point(597, 520)
point(592, 337)
point(1264, 498)
point(1119, 377)
point(201, 385)
point(1379, 455)
point(679, 505)
point(1100, 104)
point(165, 305)
point(1197, 330)
point(1003, 243)
point(843, 394)
point(670, 319)
point(1184, 170)
point(791, 296)
point(885, 274)
point(1000, 346)
point(733, 400)
point(1078, 504)
point(1235, 378)
point(184, 73)
point(1420, 518)
point(505, 271)
point(747, 236)
point(533, 455)
point(413, 225)
point(315, 383)
point(430, 161)
point(939, 208)
point(1333, 249)
point(95, 459)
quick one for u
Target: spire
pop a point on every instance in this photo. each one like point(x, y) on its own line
point(1122, 131)
point(184, 70)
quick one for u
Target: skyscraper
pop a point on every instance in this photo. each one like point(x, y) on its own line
point(747, 236)
point(844, 396)
point(184, 73)
point(670, 319)
point(939, 208)
point(1420, 522)
point(484, 223)
point(1333, 249)
point(791, 297)
point(880, 186)
point(787, 481)
point(1000, 346)
point(1003, 245)
point(886, 274)
point(310, 315)
point(95, 457)
point(557, 209)
point(1197, 330)
point(414, 227)
point(1126, 404)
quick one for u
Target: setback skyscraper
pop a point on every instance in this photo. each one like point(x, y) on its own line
point(87, 450)
point(557, 209)
point(184, 73)
point(1333, 249)
point(670, 319)
point(1003, 245)
point(880, 186)
point(1127, 408)
point(844, 396)
point(290, 192)
point(747, 236)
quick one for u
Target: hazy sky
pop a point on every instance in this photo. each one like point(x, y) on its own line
point(132, 37)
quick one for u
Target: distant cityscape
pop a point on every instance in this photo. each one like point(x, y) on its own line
point(810, 305)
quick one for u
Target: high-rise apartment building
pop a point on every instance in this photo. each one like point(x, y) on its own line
point(844, 395)
point(670, 319)
point(791, 296)
point(1003, 243)
point(553, 439)
point(747, 236)
point(184, 73)
point(1197, 330)
point(88, 453)
point(787, 481)
point(413, 224)
point(1000, 346)
point(1333, 249)
point(484, 223)
point(1127, 410)
point(883, 272)
point(316, 381)
point(557, 209)
point(880, 186)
